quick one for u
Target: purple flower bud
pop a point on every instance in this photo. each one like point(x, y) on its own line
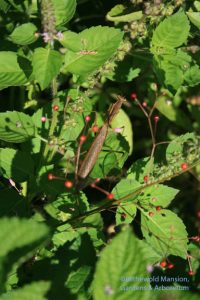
point(150, 268)
point(118, 130)
point(46, 37)
point(59, 35)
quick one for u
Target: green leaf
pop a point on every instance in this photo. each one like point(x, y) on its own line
point(46, 66)
point(194, 18)
point(4, 6)
point(17, 5)
point(126, 187)
point(24, 34)
point(172, 32)
point(123, 258)
point(69, 234)
point(117, 144)
point(125, 213)
point(173, 113)
point(21, 237)
point(71, 41)
point(64, 10)
point(65, 203)
point(16, 127)
point(139, 169)
point(197, 5)
point(104, 164)
point(102, 42)
point(159, 194)
point(61, 237)
point(195, 112)
point(83, 267)
point(123, 121)
point(173, 75)
point(34, 291)
point(112, 157)
point(177, 149)
point(10, 201)
point(165, 232)
point(173, 67)
point(192, 76)
point(11, 74)
point(118, 14)
point(16, 164)
point(124, 71)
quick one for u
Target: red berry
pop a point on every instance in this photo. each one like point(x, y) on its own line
point(133, 96)
point(146, 178)
point(95, 128)
point(156, 118)
point(83, 138)
point(158, 208)
point(110, 196)
point(170, 266)
point(87, 118)
point(151, 214)
point(144, 104)
point(184, 166)
point(191, 273)
point(51, 176)
point(198, 214)
point(68, 184)
point(55, 107)
point(163, 263)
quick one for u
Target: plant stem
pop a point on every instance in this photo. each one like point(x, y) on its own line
point(109, 204)
point(54, 119)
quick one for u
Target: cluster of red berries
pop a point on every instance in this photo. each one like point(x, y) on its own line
point(158, 208)
point(144, 104)
point(184, 166)
point(68, 183)
point(166, 264)
point(169, 265)
point(94, 129)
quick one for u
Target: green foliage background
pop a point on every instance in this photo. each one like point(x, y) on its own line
point(63, 60)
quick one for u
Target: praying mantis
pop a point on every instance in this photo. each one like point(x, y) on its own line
point(96, 147)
